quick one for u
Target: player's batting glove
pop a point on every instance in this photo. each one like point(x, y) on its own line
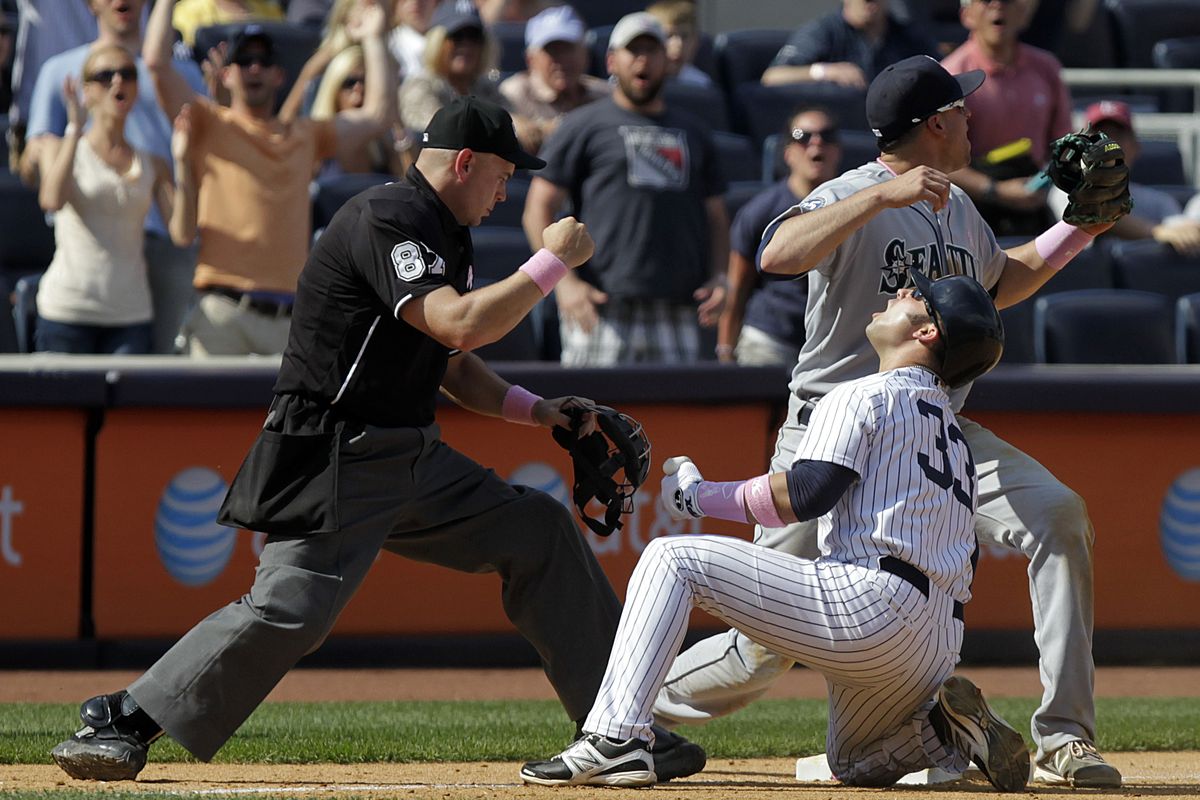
point(679, 485)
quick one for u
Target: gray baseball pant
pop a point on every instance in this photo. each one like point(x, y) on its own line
point(1022, 506)
point(405, 491)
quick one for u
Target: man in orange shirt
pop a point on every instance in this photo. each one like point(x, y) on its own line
point(252, 172)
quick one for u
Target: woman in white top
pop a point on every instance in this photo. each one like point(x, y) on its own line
point(95, 297)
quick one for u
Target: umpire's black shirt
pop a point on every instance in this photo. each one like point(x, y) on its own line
point(348, 347)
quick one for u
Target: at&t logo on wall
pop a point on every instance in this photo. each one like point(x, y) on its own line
point(191, 545)
point(1179, 525)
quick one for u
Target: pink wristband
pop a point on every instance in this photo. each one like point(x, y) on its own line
point(723, 500)
point(761, 502)
point(545, 269)
point(518, 405)
point(1059, 244)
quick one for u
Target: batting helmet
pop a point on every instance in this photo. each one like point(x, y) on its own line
point(967, 319)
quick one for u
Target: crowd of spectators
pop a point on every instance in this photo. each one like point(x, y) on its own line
point(226, 223)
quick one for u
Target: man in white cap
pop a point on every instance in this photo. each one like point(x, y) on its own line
point(645, 178)
point(555, 80)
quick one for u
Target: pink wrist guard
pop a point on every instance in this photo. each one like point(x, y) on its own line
point(740, 501)
point(545, 269)
point(518, 405)
point(1060, 244)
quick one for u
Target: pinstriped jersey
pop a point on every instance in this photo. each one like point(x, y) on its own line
point(865, 271)
point(915, 496)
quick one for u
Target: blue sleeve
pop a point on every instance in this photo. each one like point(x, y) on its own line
point(47, 113)
point(808, 45)
point(814, 487)
point(191, 73)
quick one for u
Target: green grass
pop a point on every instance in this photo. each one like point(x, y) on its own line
point(296, 733)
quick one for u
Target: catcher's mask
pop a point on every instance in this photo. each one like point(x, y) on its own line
point(609, 464)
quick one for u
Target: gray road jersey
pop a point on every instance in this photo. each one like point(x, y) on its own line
point(859, 277)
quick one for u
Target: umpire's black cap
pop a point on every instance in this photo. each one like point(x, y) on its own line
point(910, 91)
point(471, 123)
point(965, 316)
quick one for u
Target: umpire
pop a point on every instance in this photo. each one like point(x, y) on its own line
point(350, 461)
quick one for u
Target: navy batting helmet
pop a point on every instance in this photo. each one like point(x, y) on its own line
point(967, 319)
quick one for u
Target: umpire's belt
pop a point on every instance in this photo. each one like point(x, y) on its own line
point(902, 569)
point(272, 307)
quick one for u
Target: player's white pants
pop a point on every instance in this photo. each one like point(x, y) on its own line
point(1022, 506)
point(883, 647)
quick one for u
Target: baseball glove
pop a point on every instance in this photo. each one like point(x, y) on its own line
point(609, 463)
point(1090, 168)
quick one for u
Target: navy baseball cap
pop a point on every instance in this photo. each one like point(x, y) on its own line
point(456, 15)
point(244, 36)
point(911, 91)
point(475, 124)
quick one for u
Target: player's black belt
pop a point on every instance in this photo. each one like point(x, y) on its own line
point(905, 570)
point(272, 308)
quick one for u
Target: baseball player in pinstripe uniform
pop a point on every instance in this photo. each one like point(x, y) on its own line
point(856, 237)
point(879, 613)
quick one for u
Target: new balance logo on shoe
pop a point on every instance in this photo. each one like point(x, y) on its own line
point(595, 760)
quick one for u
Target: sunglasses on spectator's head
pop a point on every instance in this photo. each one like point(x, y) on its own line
point(250, 59)
point(105, 76)
point(353, 80)
point(828, 135)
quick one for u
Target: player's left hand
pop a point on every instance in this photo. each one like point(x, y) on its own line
point(553, 411)
point(680, 482)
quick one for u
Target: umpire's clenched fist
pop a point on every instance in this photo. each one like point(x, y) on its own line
point(569, 240)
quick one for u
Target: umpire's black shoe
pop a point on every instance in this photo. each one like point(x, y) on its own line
point(674, 756)
point(113, 742)
point(964, 722)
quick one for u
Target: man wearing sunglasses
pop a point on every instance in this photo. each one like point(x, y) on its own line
point(147, 129)
point(252, 172)
point(856, 238)
point(765, 325)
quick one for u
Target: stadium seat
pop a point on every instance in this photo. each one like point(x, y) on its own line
point(597, 45)
point(498, 252)
point(1104, 326)
point(1095, 47)
point(762, 110)
point(28, 242)
point(743, 56)
point(706, 102)
point(739, 193)
point(293, 45)
point(1181, 192)
point(8, 328)
point(510, 36)
point(519, 344)
point(1182, 53)
point(606, 12)
point(25, 310)
point(1159, 162)
point(1091, 269)
point(1155, 267)
point(1141, 24)
point(1187, 329)
point(737, 156)
point(858, 147)
point(330, 194)
point(508, 214)
point(1018, 333)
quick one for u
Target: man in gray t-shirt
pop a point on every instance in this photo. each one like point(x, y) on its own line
point(644, 178)
point(856, 236)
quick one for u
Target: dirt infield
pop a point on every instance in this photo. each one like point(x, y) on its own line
point(1146, 774)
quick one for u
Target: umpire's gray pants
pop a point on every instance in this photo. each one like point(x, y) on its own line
point(405, 491)
point(1022, 506)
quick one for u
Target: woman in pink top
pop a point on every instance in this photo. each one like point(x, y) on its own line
point(95, 297)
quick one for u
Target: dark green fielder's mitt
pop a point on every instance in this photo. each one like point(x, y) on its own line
point(1090, 168)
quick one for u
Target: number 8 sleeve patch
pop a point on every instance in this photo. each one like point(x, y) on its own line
point(412, 259)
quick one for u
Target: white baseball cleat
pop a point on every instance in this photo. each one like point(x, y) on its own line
point(596, 760)
point(1078, 764)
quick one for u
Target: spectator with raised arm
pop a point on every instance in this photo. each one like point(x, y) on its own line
point(252, 172)
point(95, 297)
point(148, 129)
point(343, 87)
point(848, 47)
